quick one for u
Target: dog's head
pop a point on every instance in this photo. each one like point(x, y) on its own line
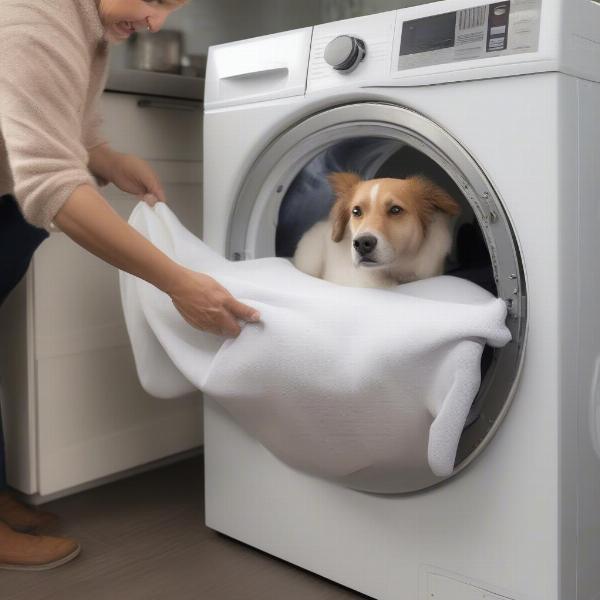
point(387, 218)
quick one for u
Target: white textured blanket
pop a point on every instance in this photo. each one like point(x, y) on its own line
point(368, 387)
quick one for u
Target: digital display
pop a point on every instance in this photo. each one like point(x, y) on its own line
point(500, 28)
point(427, 34)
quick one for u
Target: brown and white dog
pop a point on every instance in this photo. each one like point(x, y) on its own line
point(381, 232)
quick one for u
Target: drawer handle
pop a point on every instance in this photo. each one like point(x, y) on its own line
point(168, 105)
point(274, 72)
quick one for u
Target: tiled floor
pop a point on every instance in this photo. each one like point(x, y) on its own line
point(144, 539)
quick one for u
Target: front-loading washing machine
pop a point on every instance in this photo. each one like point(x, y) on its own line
point(500, 104)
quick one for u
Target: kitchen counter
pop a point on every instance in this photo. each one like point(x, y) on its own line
point(155, 84)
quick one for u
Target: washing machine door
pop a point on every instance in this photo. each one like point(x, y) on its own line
point(286, 192)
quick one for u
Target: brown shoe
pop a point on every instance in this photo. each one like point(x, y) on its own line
point(23, 518)
point(23, 552)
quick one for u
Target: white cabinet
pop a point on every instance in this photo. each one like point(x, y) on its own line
point(74, 410)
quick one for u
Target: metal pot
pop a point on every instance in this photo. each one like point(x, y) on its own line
point(159, 51)
point(193, 65)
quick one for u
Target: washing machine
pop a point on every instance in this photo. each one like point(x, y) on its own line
point(500, 104)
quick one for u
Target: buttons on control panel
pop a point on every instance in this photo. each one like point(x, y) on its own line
point(498, 27)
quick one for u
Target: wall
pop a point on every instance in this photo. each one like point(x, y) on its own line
point(213, 22)
point(209, 22)
point(332, 10)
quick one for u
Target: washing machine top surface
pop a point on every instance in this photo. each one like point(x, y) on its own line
point(440, 42)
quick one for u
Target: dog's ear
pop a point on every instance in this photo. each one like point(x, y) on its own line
point(343, 185)
point(437, 197)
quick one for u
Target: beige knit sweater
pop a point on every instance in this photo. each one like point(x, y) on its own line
point(52, 71)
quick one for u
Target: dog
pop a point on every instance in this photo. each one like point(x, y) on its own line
point(381, 232)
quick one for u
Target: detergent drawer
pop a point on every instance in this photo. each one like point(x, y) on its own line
point(264, 68)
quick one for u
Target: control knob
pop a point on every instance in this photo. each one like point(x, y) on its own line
point(345, 53)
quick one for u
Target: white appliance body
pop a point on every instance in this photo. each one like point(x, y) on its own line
point(521, 522)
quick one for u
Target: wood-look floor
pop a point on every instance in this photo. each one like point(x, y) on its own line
point(144, 539)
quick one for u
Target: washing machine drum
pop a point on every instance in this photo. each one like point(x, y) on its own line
point(287, 191)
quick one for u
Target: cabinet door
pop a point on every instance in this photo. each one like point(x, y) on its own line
point(94, 419)
point(154, 128)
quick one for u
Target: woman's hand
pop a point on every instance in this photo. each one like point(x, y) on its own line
point(129, 173)
point(136, 176)
point(205, 304)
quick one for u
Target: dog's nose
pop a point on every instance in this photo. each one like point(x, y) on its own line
point(365, 244)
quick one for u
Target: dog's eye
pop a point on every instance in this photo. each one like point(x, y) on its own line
point(396, 210)
point(357, 211)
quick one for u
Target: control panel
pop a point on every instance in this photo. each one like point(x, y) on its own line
point(437, 43)
point(497, 29)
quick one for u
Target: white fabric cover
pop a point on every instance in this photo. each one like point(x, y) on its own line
point(364, 386)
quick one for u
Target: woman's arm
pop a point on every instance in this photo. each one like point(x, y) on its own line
point(101, 160)
point(43, 87)
point(89, 220)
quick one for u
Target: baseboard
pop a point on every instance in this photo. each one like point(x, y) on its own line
point(37, 499)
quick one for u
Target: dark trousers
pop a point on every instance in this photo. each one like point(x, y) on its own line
point(18, 242)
